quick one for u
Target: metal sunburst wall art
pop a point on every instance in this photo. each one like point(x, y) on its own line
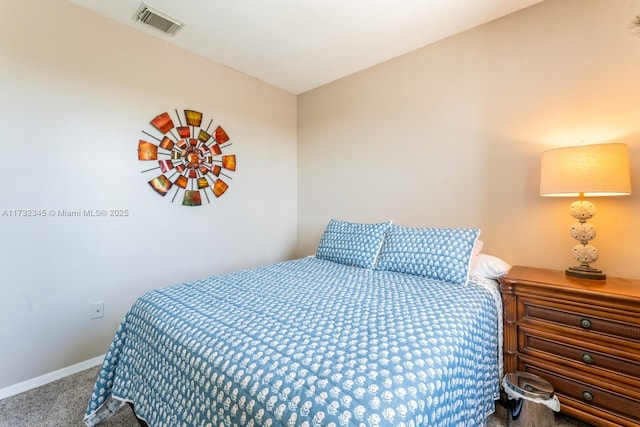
point(189, 158)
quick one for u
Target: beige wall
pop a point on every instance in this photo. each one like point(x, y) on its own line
point(75, 94)
point(450, 135)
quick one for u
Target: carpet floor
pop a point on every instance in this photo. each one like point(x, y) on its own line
point(62, 404)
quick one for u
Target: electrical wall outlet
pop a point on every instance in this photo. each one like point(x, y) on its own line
point(97, 310)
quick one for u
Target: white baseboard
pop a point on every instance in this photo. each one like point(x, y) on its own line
point(12, 390)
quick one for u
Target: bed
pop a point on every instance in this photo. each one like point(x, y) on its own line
point(384, 326)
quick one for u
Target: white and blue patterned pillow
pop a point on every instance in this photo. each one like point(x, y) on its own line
point(437, 253)
point(352, 243)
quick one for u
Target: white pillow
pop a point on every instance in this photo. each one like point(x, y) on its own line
point(490, 266)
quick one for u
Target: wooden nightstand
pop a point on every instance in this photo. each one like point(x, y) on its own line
point(583, 336)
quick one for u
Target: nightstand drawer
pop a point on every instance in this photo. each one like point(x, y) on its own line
point(580, 354)
point(579, 318)
point(589, 396)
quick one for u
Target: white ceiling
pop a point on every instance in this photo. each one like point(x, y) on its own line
point(298, 45)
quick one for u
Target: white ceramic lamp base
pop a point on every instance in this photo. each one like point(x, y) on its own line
point(584, 233)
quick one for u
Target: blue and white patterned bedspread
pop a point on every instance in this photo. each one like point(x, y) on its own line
point(305, 343)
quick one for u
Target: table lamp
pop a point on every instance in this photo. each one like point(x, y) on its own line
point(579, 171)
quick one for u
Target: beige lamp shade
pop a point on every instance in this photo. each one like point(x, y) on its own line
point(594, 170)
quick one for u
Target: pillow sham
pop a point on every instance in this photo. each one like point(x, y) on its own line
point(477, 248)
point(437, 253)
point(352, 243)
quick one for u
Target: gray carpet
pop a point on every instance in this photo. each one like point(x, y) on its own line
point(62, 404)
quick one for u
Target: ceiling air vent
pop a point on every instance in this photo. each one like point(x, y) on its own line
point(157, 19)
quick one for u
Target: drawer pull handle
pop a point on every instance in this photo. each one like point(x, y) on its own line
point(587, 358)
point(585, 323)
point(588, 396)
